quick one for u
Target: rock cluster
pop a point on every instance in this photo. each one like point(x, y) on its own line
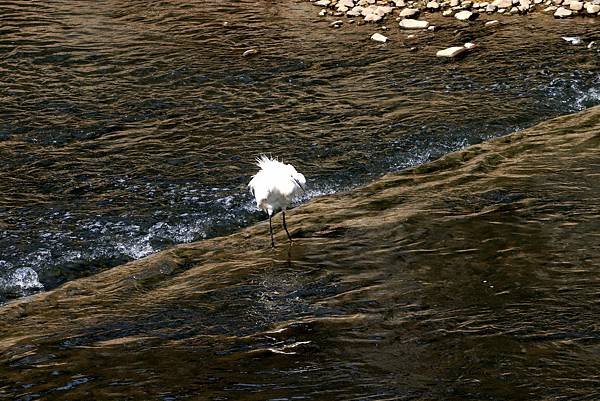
point(464, 10)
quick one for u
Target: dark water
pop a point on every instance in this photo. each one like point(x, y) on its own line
point(129, 127)
point(472, 278)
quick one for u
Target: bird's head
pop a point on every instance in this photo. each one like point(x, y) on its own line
point(297, 177)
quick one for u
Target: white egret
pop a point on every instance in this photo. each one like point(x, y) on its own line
point(274, 187)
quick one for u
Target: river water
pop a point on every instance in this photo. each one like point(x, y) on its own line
point(129, 128)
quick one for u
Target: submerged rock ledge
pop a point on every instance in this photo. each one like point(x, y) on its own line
point(519, 203)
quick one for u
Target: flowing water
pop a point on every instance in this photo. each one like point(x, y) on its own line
point(130, 127)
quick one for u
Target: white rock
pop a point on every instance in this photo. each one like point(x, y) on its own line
point(355, 12)
point(502, 3)
point(249, 52)
point(592, 8)
point(409, 23)
point(574, 40)
point(576, 5)
point(562, 12)
point(490, 8)
point(463, 15)
point(322, 3)
point(447, 13)
point(492, 23)
point(409, 12)
point(451, 51)
point(470, 45)
point(377, 37)
point(322, 13)
point(431, 28)
point(433, 5)
point(454, 3)
point(399, 3)
point(336, 24)
point(347, 3)
point(591, 44)
point(373, 17)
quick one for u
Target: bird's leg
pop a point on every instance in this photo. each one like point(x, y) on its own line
point(285, 226)
point(271, 232)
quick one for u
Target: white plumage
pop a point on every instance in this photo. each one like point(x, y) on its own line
point(274, 187)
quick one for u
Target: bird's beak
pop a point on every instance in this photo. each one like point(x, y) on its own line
point(300, 185)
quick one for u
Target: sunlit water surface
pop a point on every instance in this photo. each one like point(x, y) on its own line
point(129, 128)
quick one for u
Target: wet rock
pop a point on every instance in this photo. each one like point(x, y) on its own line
point(574, 40)
point(377, 37)
point(409, 12)
point(451, 52)
point(408, 23)
point(250, 52)
point(562, 12)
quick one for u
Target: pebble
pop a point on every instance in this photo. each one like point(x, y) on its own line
point(464, 15)
point(409, 12)
point(492, 23)
point(249, 52)
point(470, 45)
point(408, 23)
point(592, 8)
point(562, 12)
point(377, 37)
point(336, 24)
point(574, 40)
point(451, 51)
point(576, 5)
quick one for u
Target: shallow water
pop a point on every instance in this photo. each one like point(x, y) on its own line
point(127, 128)
point(474, 277)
